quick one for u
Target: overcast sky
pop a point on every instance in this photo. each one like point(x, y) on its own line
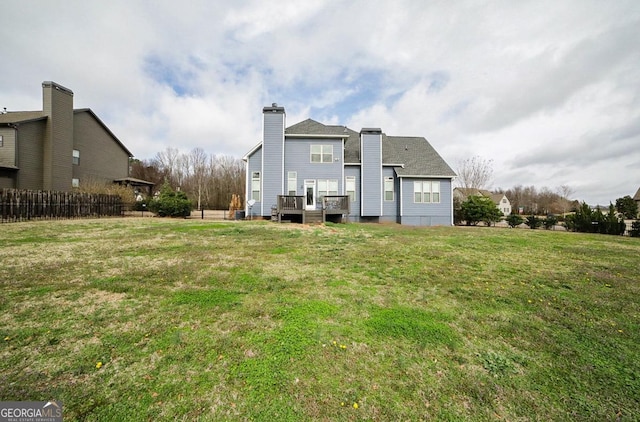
point(548, 90)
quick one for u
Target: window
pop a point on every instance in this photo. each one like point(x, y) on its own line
point(255, 186)
point(75, 183)
point(76, 157)
point(350, 182)
point(1, 142)
point(292, 182)
point(322, 153)
point(426, 192)
point(388, 188)
point(327, 187)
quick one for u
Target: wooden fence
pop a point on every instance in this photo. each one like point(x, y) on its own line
point(24, 205)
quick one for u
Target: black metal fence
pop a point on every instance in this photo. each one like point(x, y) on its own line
point(23, 205)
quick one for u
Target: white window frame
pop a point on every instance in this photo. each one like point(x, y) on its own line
point(426, 192)
point(76, 157)
point(75, 183)
point(325, 187)
point(255, 186)
point(292, 182)
point(350, 187)
point(389, 188)
point(321, 154)
point(1, 141)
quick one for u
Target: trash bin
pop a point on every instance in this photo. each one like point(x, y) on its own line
point(239, 215)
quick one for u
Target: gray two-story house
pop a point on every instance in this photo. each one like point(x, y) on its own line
point(59, 148)
point(361, 176)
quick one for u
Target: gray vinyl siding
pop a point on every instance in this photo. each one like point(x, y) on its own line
point(30, 158)
point(254, 163)
point(102, 160)
point(390, 209)
point(355, 205)
point(272, 161)
point(298, 159)
point(430, 214)
point(371, 185)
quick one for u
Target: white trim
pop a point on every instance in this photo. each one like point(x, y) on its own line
point(414, 176)
point(302, 135)
point(315, 194)
point(252, 150)
point(282, 172)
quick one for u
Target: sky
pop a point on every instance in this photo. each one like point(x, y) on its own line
point(548, 90)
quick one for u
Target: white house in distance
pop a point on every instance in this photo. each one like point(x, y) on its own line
point(500, 199)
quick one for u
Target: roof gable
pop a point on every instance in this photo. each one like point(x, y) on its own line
point(106, 129)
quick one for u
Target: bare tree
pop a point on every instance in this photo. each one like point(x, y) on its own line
point(197, 160)
point(475, 173)
point(565, 191)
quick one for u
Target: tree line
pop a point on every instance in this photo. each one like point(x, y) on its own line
point(209, 181)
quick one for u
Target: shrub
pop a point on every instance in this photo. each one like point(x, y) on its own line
point(514, 220)
point(533, 222)
point(170, 204)
point(635, 229)
point(550, 222)
point(479, 208)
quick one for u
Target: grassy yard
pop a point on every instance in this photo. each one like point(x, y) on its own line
point(151, 319)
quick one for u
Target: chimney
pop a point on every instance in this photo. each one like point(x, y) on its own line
point(371, 168)
point(272, 177)
point(57, 105)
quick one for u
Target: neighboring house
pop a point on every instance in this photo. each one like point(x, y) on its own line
point(501, 200)
point(58, 148)
point(365, 176)
point(636, 198)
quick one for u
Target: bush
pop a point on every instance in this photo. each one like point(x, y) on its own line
point(514, 220)
point(550, 222)
point(479, 208)
point(635, 229)
point(533, 222)
point(170, 204)
point(587, 221)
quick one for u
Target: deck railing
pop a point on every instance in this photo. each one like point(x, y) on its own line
point(290, 203)
point(336, 204)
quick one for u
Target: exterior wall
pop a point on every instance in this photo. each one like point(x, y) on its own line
point(430, 214)
point(504, 207)
point(8, 148)
point(298, 159)
point(101, 157)
point(355, 205)
point(272, 174)
point(30, 157)
point(7, 179)
point(58, 141)
point(371, 159)
point(254, 163)
point(390, 209)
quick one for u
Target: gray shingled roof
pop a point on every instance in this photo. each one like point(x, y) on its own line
point(416, 154)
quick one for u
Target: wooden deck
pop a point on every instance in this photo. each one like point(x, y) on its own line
point(334, 206)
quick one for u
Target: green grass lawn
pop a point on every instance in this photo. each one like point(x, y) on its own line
point(153, 319)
